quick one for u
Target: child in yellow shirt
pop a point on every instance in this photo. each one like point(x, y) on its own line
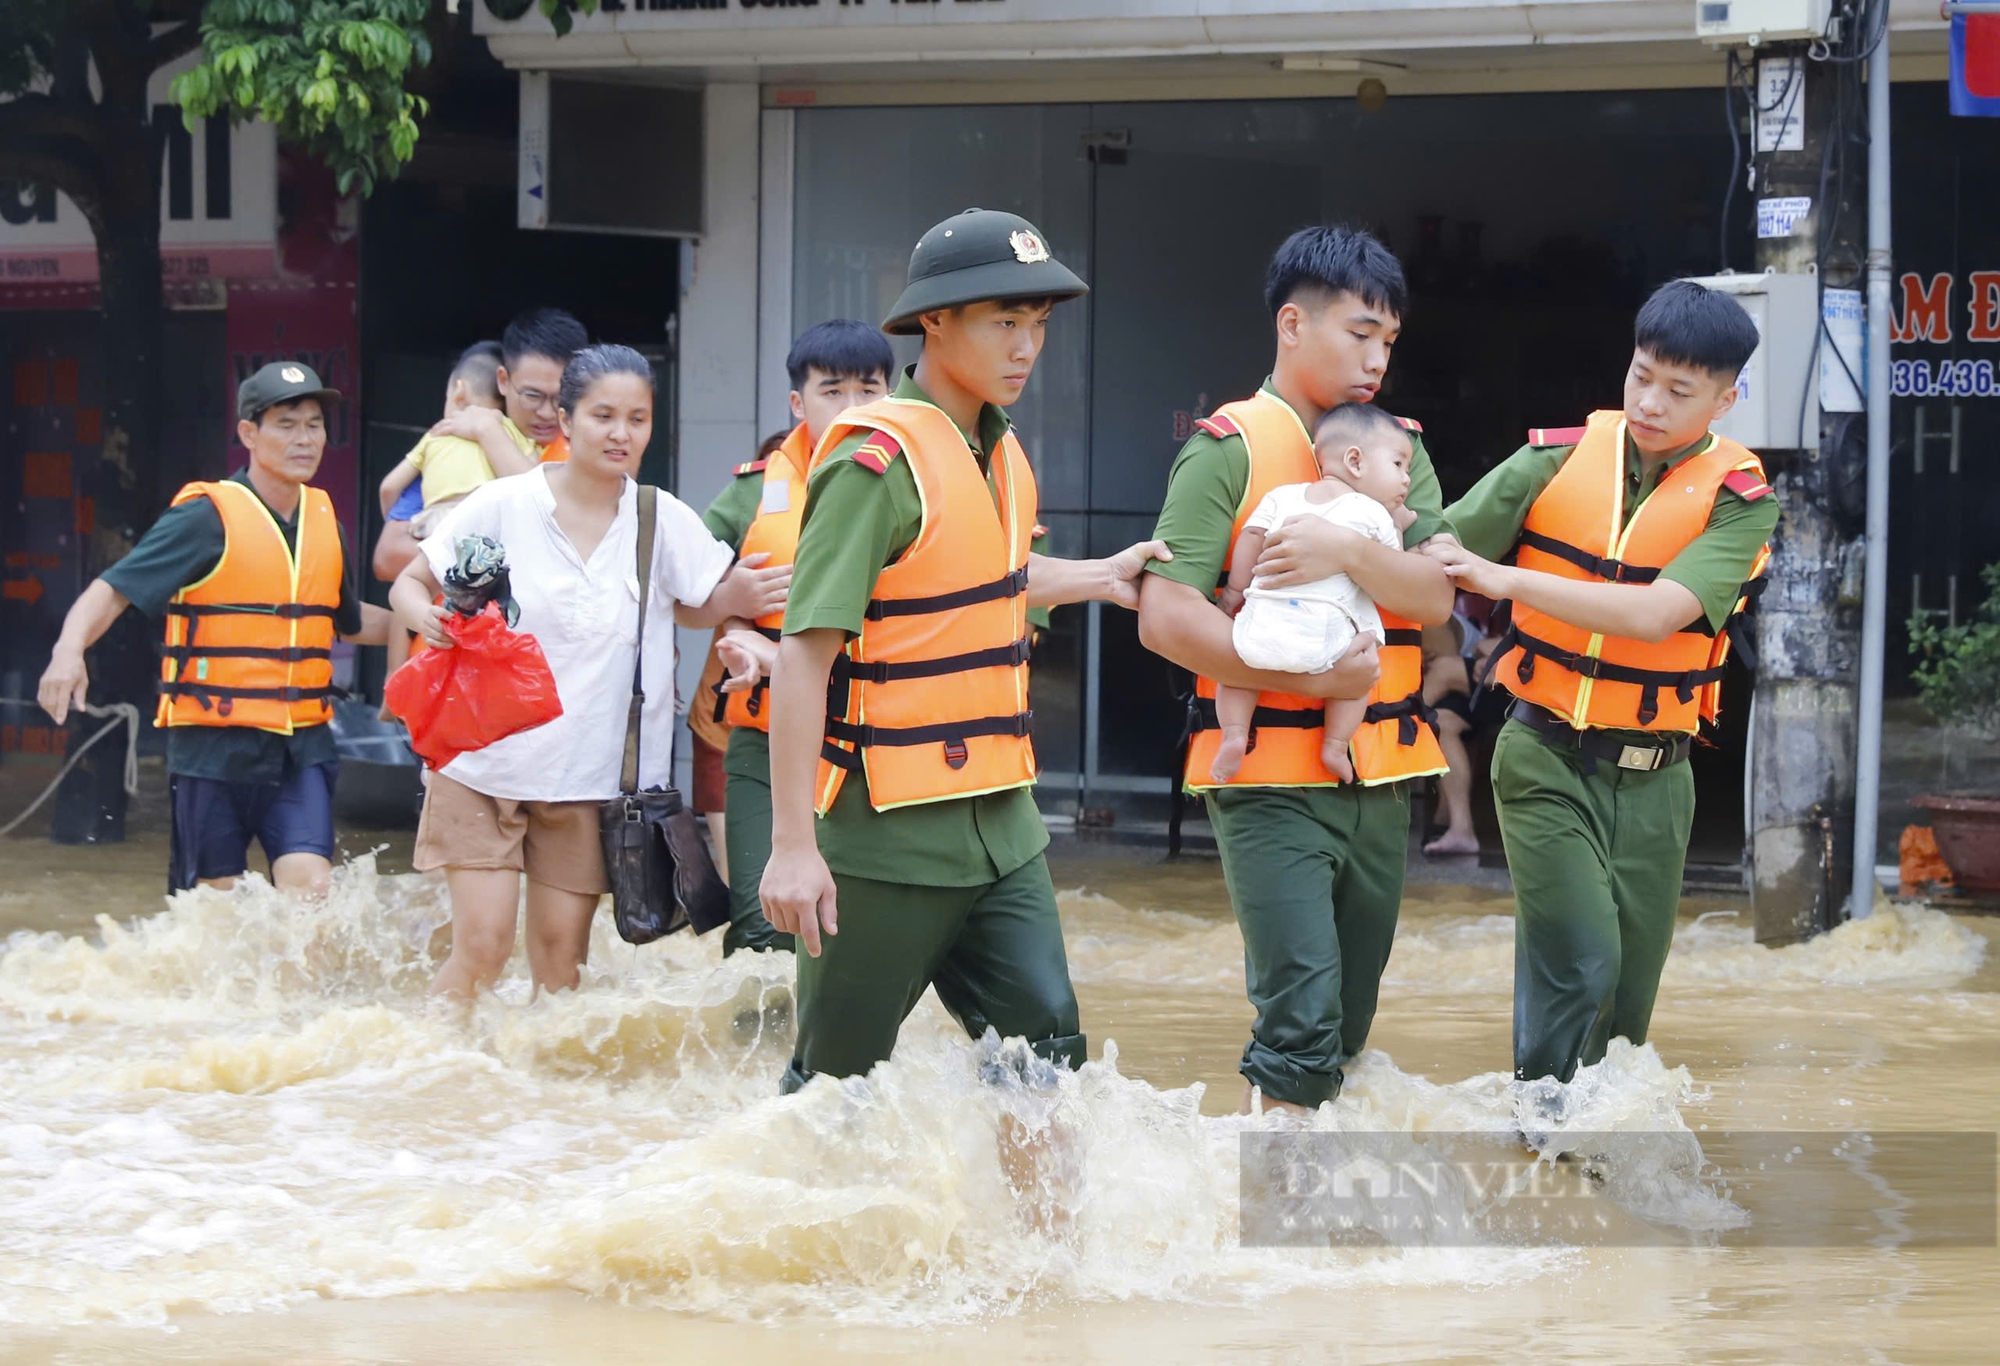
point(451, 466)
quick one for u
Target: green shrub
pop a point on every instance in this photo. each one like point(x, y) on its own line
point(1957, 670)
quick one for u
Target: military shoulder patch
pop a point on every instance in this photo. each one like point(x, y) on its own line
point(1410, 424)
point(1555, 436)
point(876, 453)
point(752, 467)
point(1745, 485)
point(1219, 427)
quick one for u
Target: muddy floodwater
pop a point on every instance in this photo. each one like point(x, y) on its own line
point(232, 1129)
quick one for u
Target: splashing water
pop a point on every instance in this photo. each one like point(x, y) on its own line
point(242, 1102)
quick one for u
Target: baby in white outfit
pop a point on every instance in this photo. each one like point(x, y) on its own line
point(1364, 462)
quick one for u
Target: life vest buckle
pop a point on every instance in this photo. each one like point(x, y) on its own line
point(956, 754)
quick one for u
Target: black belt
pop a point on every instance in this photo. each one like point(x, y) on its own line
point(1645, 757)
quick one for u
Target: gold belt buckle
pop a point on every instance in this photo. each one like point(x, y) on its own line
point(1641, 757)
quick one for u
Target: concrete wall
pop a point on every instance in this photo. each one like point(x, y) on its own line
point(718, 333)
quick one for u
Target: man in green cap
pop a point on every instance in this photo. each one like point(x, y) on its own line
point(911, 591)
point(252, 574)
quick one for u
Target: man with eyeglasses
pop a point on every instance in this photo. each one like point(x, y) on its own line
point(524, 431)
point(533, 351)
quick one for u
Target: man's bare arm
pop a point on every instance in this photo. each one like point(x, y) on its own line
point(1305, 549)
point(66, 681)
point(1636, 611)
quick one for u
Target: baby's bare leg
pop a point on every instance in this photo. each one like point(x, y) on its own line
point(1234, 708)
point(1343, 718)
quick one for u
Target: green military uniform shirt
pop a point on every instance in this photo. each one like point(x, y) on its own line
point(856, 523)
point(1713, 566)
point(1206, 487)
point(184, 547)
point(729, 517)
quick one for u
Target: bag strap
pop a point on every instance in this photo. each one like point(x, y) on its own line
point(628, 777)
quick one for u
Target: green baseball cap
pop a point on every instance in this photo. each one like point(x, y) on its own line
point(282, 381)
point(975, 255)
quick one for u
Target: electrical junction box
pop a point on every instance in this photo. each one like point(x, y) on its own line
point(1760, 21)
point(1777, 395)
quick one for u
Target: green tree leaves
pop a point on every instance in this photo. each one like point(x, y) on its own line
point(328, 73)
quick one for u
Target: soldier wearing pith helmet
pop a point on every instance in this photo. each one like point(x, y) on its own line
point(906, 847)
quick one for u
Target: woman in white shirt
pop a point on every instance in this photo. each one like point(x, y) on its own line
point(528, 803)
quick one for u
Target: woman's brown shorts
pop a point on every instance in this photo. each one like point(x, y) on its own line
point(554, 843)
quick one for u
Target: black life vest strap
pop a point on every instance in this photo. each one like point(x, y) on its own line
point(1201, 716)
point(1009, 586)
point(1403, 635)
point(222, 700)
point(1650, 681)
point(945, 732)
point(1614, 571)
point(290, 654)
point(884, 671)
point(757, 690)
point(1405, 713)
point(289, 611)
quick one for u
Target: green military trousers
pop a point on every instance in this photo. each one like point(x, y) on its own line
point(994, 952)
point(746, 806)
point(1596, 859)
point(1316, 877)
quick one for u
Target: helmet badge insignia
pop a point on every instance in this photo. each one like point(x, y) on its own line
point(1028, 248)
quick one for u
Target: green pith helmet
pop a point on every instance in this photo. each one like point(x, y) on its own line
point(975, 255)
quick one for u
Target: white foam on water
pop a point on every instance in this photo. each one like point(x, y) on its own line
point(1899, 945)
point(241, 1102)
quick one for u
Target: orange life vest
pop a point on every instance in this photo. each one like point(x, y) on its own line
point(774, 532)
point(1397, 739)
point(1577, 529)
point(252, 644)
point(556, 451)
point(930, 701)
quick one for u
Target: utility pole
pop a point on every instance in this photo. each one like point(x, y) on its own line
point(1808, 622)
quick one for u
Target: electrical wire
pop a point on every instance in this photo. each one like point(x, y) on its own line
point(121, 714)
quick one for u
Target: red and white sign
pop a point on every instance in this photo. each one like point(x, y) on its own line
point(218, 206)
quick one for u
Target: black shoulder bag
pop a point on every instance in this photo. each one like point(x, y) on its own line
point(661, 876)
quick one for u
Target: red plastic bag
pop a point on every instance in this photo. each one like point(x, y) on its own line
point(494, 684)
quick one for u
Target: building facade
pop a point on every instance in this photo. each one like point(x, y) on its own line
point(1539, 168)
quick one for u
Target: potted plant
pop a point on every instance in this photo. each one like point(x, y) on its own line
point(1957, 673)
